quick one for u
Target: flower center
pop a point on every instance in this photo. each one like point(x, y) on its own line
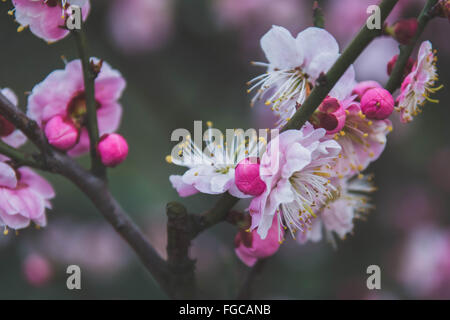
point(77, 110)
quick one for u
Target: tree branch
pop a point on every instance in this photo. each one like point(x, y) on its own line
point(405, 50)
point(89, 75)
point(246, 290)
point(182, 268)
point(94, 187)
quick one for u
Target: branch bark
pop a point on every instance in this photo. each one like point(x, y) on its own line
point(89, 76)
point(182, 269)
point(94, 187)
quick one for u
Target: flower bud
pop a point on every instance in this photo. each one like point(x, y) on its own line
point(377, 104)
point(249, 246)
point(6, 127)
point(391, 64)
point(247, 177)
point(112, 149)
point(363, 86)
point(404, 30)
point(61, 133)
point(330, 115)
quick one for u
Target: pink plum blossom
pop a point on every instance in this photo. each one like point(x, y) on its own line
point(139, 26)
point(249, 246)
point(62, 94)
point(247, 177)
point(113, 149)
point(46, 18)
point(330, 115)
point(377, 104)
point(24, 197)
point(297, 178)
point(212, 171)
point(362, 140)
point(293, 68)
point(418, 85)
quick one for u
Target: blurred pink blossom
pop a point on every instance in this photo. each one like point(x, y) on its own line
point(37, 270)
point(252, 18)
point(139, 26)
point(46, 17)
point(425, 265)
point(95, 248)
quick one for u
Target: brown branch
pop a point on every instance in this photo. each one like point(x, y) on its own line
point(93, 187)
point(246, 290)
point(182, 268)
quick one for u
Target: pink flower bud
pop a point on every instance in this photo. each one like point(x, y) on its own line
point(113, 149)
point(331, 115)
point(377, 104)
point(363, 86)
point(37, 270)
point(247, 177)
point(249, 246)
point(404, 30)
point(61, 133)
point(393, 61)
point(6, 127)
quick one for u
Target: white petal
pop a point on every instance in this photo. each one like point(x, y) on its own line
point(314, 41)
point(281, 49)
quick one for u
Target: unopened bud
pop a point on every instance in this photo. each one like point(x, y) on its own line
point(377, 104)
point(112, 149)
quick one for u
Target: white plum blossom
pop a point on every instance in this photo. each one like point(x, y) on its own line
point(212, 170)
point(294, 65)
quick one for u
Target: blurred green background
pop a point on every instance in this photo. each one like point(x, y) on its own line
point(199, 73)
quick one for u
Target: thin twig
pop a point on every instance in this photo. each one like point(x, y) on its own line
point(89, 76)
point(406, 50)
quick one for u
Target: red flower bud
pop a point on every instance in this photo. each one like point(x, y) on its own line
point(391, 64)
point(404, 30)
point(330, 115)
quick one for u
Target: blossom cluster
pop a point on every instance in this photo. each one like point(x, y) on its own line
point(313, 183)
point(58, 105)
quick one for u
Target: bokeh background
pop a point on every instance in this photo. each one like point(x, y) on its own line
point(187, 60)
